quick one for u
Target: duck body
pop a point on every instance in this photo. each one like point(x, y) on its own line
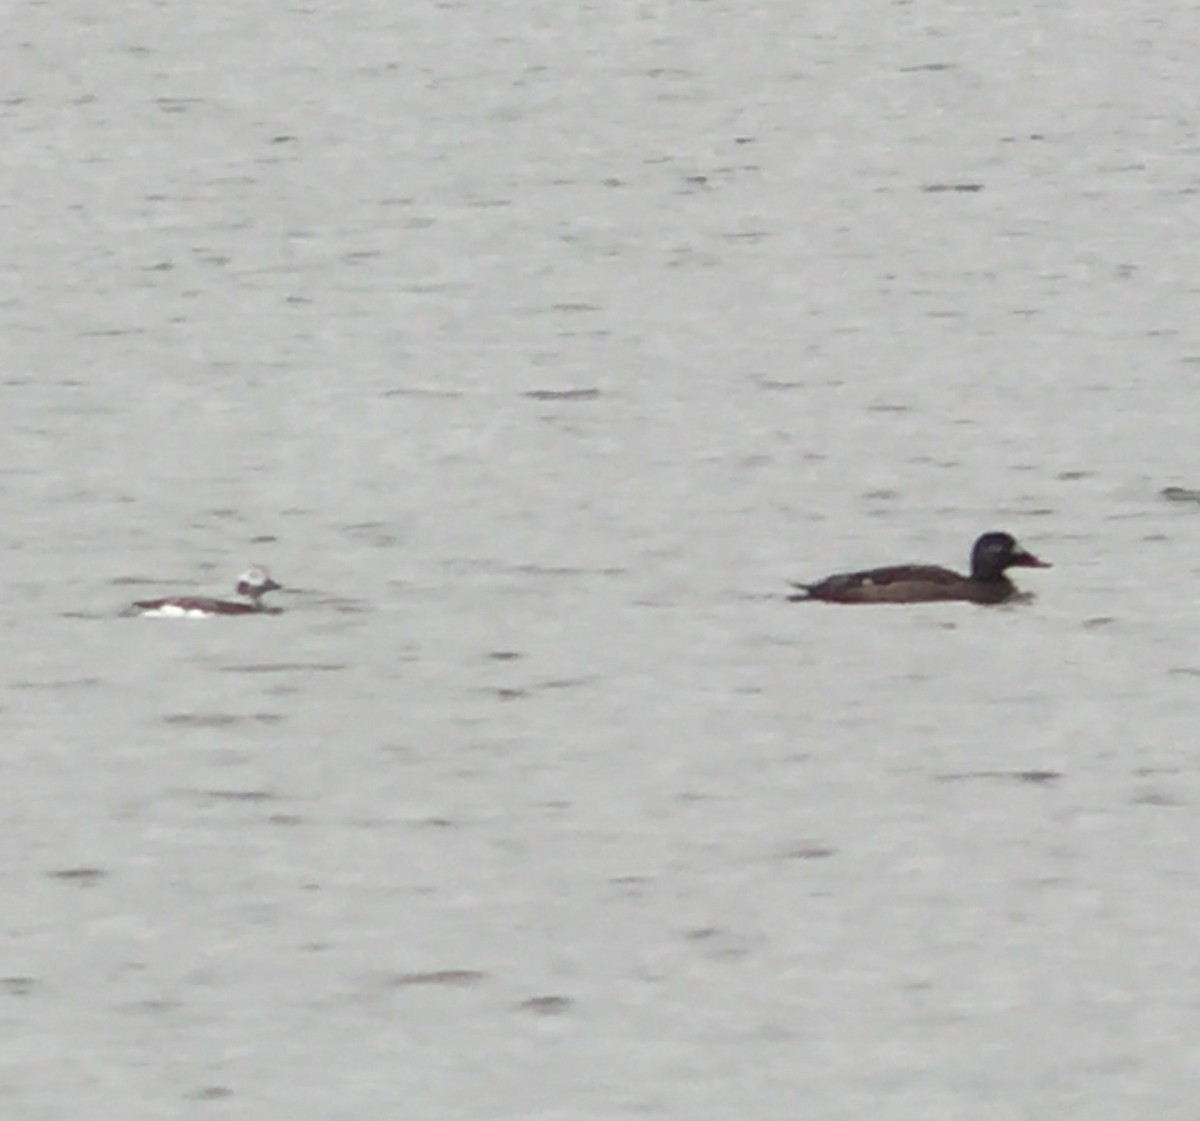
point(253, 584)
point(926, 583)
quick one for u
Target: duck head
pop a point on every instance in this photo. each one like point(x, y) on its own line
point(255, 582)
point(994, 552)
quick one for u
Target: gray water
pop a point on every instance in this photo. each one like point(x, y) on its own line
point(536, 347)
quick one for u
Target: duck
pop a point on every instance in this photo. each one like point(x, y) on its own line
point(253, 584)
point(991, 555)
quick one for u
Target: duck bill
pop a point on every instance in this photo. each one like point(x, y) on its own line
point(1022, 558)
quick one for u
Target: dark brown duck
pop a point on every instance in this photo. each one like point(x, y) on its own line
point(926, 583)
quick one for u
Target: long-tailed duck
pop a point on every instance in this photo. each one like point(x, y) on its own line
point(254, 583)
point(925, 583)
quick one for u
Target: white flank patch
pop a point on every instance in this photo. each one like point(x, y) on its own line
point(171, 611)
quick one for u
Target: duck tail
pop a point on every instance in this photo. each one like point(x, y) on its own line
point(803, 593)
